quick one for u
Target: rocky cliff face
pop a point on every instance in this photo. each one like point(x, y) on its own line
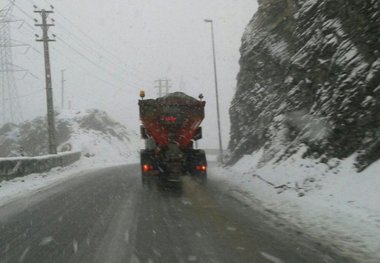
point(310, 76)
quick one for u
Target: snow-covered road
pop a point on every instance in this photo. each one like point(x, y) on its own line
point(105, 215)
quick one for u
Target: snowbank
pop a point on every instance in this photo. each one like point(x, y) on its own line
point(329, 201)
point(23, 186)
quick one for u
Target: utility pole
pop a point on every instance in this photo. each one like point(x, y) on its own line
point(63, 88)
point(163, 84)
point(49, 91)
point(216, 88)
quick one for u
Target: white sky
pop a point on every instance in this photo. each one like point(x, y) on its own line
point(125, 45)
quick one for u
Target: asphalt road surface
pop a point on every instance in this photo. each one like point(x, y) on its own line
point(108, 216)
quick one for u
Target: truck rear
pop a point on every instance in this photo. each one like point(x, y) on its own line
point(170, 127)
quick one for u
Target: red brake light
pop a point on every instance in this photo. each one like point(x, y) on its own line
point(147, 167)
point(201, 168)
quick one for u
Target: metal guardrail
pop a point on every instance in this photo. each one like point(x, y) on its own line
point(20, 166)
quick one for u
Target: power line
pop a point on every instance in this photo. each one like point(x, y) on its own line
point(84, 45)
point(26, 95)
point(87, 59)
point(95, 42)
point(30, 29)
point(90, 60)
point(115, 57)
point(111, 73)
point(22, 11)
point(64, 56)
point(84, 69)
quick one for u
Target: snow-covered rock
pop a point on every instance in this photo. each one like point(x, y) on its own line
point(305, 119)
point(310, 75)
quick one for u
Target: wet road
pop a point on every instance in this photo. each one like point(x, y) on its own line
point(108, 216)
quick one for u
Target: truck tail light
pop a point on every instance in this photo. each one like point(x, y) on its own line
point(147, 167)
point(201, 168)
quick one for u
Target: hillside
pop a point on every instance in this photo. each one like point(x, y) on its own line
point(92, 132)
point(309, 77)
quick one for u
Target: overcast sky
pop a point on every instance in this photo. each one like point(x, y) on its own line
point(111, 49)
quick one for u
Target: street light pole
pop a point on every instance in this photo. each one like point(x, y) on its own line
point(216, 89)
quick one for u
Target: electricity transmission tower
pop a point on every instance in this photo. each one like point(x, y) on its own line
point(163, 86)
point(9, 99)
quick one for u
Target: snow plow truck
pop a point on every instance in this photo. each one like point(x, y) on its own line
point(170, 127)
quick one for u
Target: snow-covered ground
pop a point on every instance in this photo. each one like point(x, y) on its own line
point(26, 185)
point(329, 201)
point(102, 142)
